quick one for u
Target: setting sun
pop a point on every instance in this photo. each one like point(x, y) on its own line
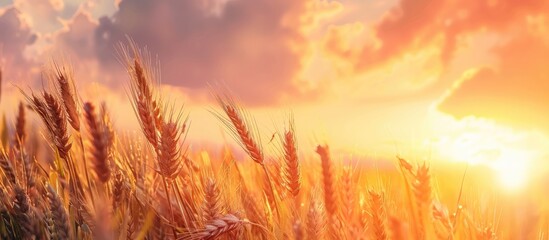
point(512, 171)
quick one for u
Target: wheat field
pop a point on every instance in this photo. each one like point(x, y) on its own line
point(82, 179)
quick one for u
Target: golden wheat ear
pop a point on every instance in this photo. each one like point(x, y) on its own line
point(212, 207)
point(62, 77)
point(316, 219)
point(240, 128)
point(377, 215)
point(423, 196)
point(292, 171)
point(330, 197)
point(143, 78)
point(56, 121)
point(59, 215)
point(99, 143)
point(218, 227)
point(20, 122)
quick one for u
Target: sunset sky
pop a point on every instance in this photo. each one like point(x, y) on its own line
point(461, 80)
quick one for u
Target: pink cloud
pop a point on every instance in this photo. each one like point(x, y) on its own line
point(78, 36)
point(513, 93)
point(254, 46)
point(15, 37)
point(417, 24)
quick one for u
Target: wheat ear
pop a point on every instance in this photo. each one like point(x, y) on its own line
point(58, 125)
point(216, 228)
point(292, 169)
point(23, 213)
point(422, 193)
point(212, 200)
point(377, 211)
point(7, 168)
point(169, 157)
point(20, 122)
point(99, 143)
point(59, 215)
point(65, 85)
point(316, 223)
point(330, 198)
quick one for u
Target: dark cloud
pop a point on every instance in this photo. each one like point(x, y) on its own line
point(254, 46)
point(6, 3)
point(515, 93)
point(78, 37)
point(416, 24)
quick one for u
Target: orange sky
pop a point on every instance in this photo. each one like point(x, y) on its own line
point(461, 79)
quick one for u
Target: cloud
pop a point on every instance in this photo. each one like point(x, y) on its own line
point(413, 25)
point(514, 93)
point(15, 37)
point(78, 37)
point(44, 16)
point(256, 47)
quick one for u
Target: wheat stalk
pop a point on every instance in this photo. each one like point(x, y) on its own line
point(240, 131)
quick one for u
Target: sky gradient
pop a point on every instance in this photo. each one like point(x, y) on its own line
point(461, 80)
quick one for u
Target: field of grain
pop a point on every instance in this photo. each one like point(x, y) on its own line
point(80, 178)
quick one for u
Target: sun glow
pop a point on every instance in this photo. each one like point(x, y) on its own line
point(479, 142)
point(512, 169)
